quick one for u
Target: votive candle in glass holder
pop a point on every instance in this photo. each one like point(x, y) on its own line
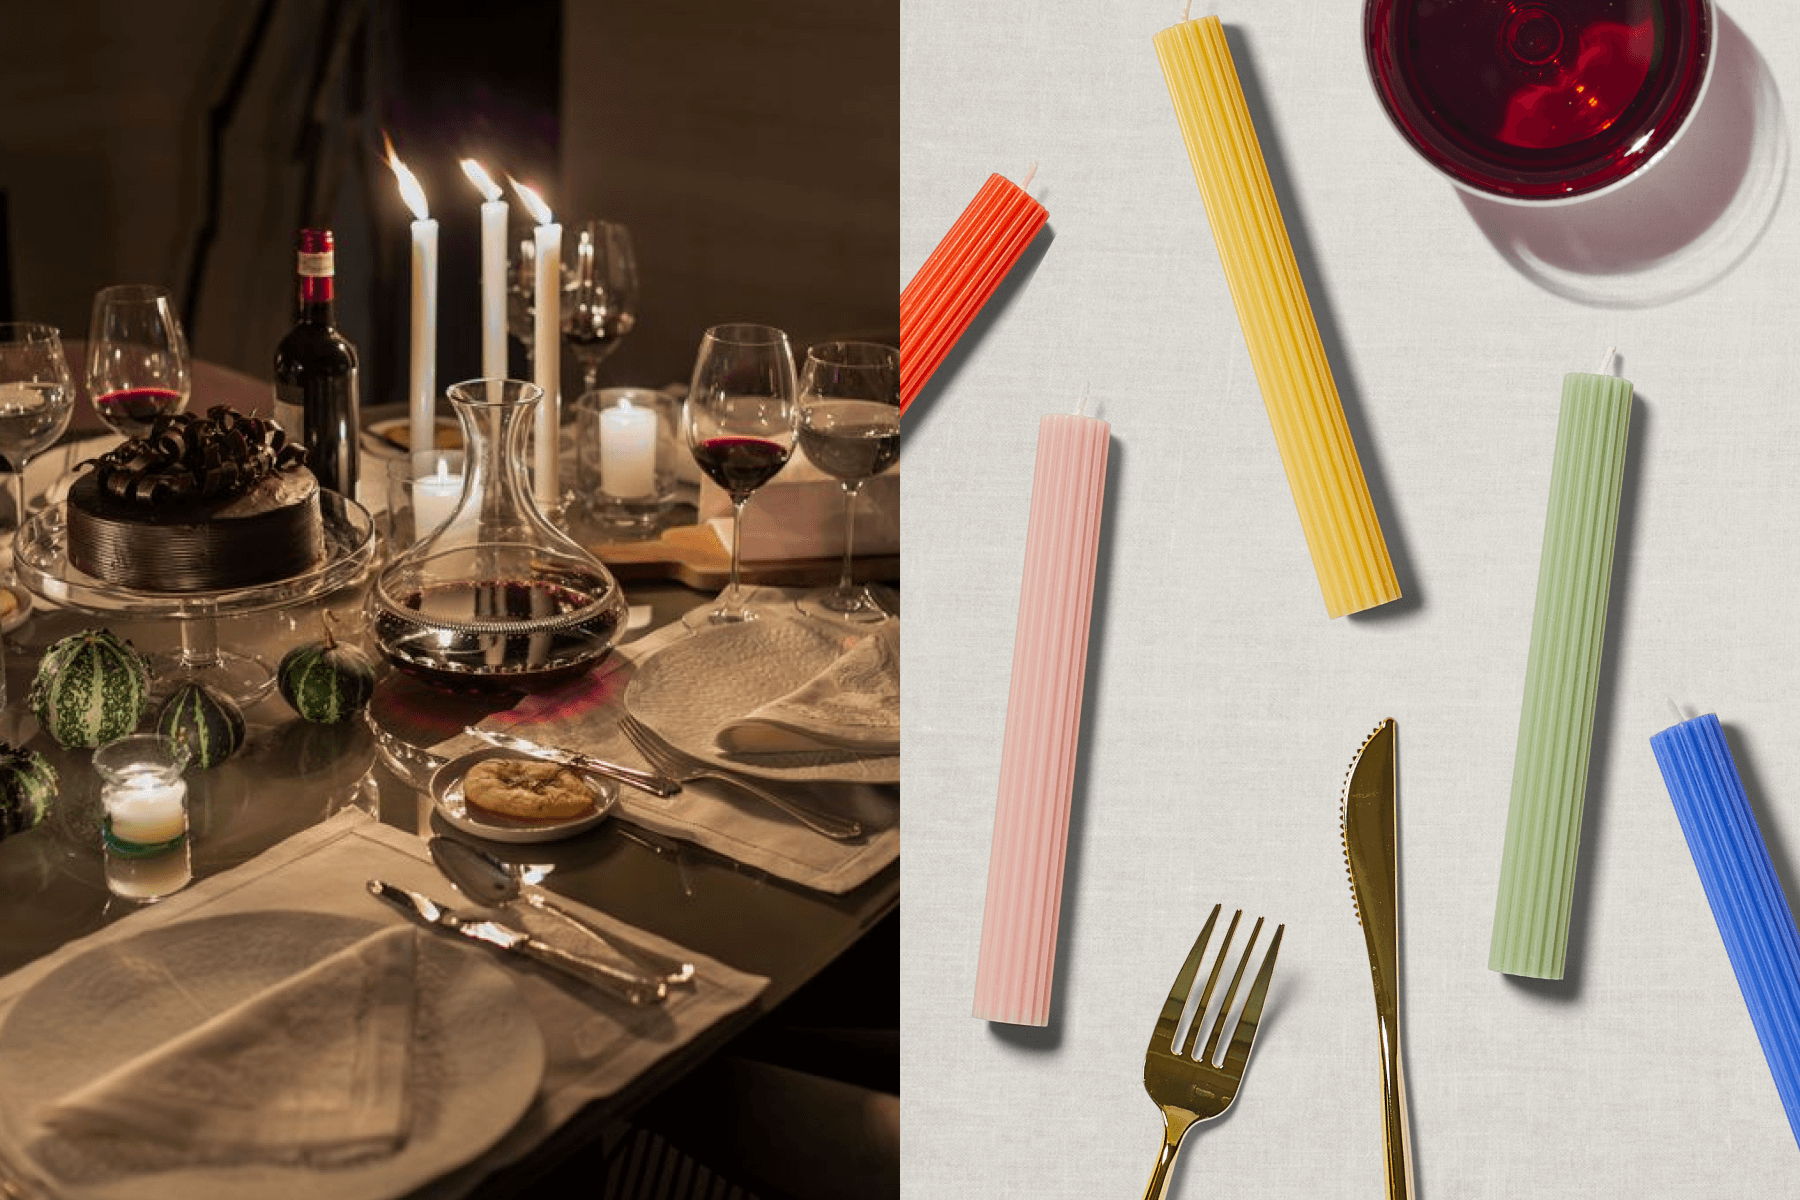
point(624, 438)
point(423, 490)
point(144, 820)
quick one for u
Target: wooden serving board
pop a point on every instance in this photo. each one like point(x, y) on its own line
point(692, 556)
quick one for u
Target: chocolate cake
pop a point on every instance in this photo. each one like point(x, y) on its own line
point(200, 503)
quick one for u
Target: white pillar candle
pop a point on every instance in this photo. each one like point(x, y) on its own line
point(146, 810)
point(424, 333)
point(493, 271)
point(628, 451)
point(434, 498)
point(547, 358)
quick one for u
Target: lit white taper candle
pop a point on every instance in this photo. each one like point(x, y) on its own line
point(546, 342)
point(493, 271)
point(422, 390)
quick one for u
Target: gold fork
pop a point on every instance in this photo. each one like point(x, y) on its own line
point(1188, 1089)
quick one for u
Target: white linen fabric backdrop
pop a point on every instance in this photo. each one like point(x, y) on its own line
point(1223, 706)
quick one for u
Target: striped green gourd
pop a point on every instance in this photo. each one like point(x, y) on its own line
point(326, 682)
point(209, 724)
point(27, 785)
point(90, 688)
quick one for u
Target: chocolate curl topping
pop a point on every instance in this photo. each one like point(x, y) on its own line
point(186, 457)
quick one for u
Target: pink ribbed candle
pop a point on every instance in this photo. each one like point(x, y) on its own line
point(1043, 722)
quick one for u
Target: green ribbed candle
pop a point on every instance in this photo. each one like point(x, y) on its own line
point(1562, 678)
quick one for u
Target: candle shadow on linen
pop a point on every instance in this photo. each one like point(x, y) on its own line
point(1768, 816)
point(1412, 590)
point(1684, 222)
point(941, 379)
point(1606, 717)
point(1049, 1036)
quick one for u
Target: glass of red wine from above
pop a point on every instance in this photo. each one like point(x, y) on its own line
point(599, 295)
point(1539, 101)
point(740, 421)
point(850, 429)
point(137, 358)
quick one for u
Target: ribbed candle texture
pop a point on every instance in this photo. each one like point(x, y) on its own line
point(1741, 886)
point(1562, 680)
point(1043, 723)
point(1349, 554)
point(959, 277)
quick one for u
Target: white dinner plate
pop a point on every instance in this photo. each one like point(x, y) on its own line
point(477, 1059)
point(691, 687)
point(454, 807)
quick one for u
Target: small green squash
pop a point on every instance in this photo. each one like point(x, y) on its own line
point(326, 682)
point(27, 785)
point(211, 725)
point(91, 687)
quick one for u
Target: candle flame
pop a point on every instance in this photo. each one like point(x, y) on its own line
point(410, 191)
point(481, 179)
point(540, 212)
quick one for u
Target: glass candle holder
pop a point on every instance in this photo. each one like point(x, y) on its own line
point(625, 450)
point(422, 491)
point(144, 819)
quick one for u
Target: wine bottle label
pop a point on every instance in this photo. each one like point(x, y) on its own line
point(290, 412)
point(316, 266)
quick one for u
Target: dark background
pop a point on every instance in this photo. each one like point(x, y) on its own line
point(751, 148)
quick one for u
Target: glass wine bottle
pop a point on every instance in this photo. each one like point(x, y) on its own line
point(315, 373)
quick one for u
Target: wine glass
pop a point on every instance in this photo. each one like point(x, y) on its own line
point(850, 429)
point(137, 358)
point(37, 395)
point(740, 421)
point(599, 295)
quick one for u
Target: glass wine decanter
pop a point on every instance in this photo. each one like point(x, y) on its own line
point(497, 597)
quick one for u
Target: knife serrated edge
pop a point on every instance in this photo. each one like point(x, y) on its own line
point(1344, 816)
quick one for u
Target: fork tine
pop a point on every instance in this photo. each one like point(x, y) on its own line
point(1187, 1046)
point(1163, 1038)
point(635, 735)
point(1212, 1036)
point(1239, 1054)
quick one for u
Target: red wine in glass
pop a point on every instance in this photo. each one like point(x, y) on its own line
point(132, 411)
point(1538, 99)
point(740, 465)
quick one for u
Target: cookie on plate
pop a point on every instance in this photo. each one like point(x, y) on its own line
point(527, 790)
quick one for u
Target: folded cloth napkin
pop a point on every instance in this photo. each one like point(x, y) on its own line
point(492, 1038)
point(800, 514)
point(853, 704)
point(313, 1069)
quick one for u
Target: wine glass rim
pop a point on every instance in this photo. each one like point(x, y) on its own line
point(853, 353)
point(132, 293)
point(513, 392)
point(29, 331)
point(747, 334)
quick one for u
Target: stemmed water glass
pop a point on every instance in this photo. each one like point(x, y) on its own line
point(137, 358)
point(850, 429)
point(740, 421)
point(36, 397)
point(599, 295)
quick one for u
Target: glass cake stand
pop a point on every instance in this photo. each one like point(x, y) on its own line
point(41, 561)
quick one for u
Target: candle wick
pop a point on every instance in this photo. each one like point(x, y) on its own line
point(1185, 5)
point(1606, 364)
point(1029, 173)
point(1081, 403)
point(1680, 717)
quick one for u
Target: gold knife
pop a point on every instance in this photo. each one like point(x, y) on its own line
point(1371, 848)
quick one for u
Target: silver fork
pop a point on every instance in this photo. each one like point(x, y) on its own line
point(1188, 1089)
point(666, 760)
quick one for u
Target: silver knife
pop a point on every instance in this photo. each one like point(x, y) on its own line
point(643, 781)
point(636, 989)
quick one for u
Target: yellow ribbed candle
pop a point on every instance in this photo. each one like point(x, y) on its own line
point(1339, 520)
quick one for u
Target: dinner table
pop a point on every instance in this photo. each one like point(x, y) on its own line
point(297, 786)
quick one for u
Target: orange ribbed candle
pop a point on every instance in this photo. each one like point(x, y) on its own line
point(1043, 723)
point(1348, 552)
point(937, 306)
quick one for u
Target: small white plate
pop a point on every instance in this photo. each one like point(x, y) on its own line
point(454, 807)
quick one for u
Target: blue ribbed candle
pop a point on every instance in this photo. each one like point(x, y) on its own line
point(1743, 889)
